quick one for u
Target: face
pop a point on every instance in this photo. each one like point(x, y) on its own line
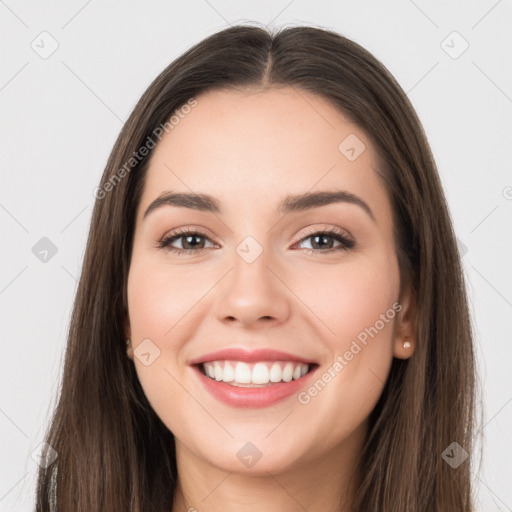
point(318, 282)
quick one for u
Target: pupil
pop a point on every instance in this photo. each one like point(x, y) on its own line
point(323, 239)
point(191, 237)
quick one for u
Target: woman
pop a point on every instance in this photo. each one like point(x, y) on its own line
point(271, 313)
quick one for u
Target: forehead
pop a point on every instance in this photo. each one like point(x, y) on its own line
point(255, 146)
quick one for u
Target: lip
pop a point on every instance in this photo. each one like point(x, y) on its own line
point(235, 396)
point(239, 354)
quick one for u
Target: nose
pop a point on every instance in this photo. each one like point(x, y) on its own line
point(253, 294)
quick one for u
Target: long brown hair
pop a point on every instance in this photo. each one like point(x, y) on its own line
point(114, 453)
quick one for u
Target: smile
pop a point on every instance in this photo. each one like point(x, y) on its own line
point(257, 385)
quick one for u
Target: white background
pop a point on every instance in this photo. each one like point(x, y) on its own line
point(61, 115)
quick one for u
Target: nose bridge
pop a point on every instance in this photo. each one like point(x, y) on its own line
point(251, 265)
point(252, 290)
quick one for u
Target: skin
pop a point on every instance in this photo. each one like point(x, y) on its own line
point(249, 150)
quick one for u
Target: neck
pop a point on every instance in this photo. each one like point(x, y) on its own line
point(325, 484)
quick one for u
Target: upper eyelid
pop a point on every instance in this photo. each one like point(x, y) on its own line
point(319, 226)
point(336, 230)
point(179, 232)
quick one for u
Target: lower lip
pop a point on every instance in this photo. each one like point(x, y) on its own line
point(236, 396)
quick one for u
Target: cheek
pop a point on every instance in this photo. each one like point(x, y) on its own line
point(160, 298)
point(358, 308)
point(161, 304)
point(351, 298)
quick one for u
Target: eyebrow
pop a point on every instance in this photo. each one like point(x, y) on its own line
point(291, 203)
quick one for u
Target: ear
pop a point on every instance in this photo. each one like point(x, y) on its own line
point(405, 330)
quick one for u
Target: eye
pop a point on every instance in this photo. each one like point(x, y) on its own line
point(324, 241)
point(190, 241)
point(194, 241)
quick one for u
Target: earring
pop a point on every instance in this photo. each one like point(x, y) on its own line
point(128, 349)
point(406, 344)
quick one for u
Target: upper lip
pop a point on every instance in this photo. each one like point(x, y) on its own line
point(240, 354)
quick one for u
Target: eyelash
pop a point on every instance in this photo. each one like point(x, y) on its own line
point(334, 233)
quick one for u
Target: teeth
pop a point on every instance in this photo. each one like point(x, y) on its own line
point(217, 369)
point(239, 373)
point(260, 374)
point(275, 373)
point(229, 373)
point(288, 372)
point(242, 373)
